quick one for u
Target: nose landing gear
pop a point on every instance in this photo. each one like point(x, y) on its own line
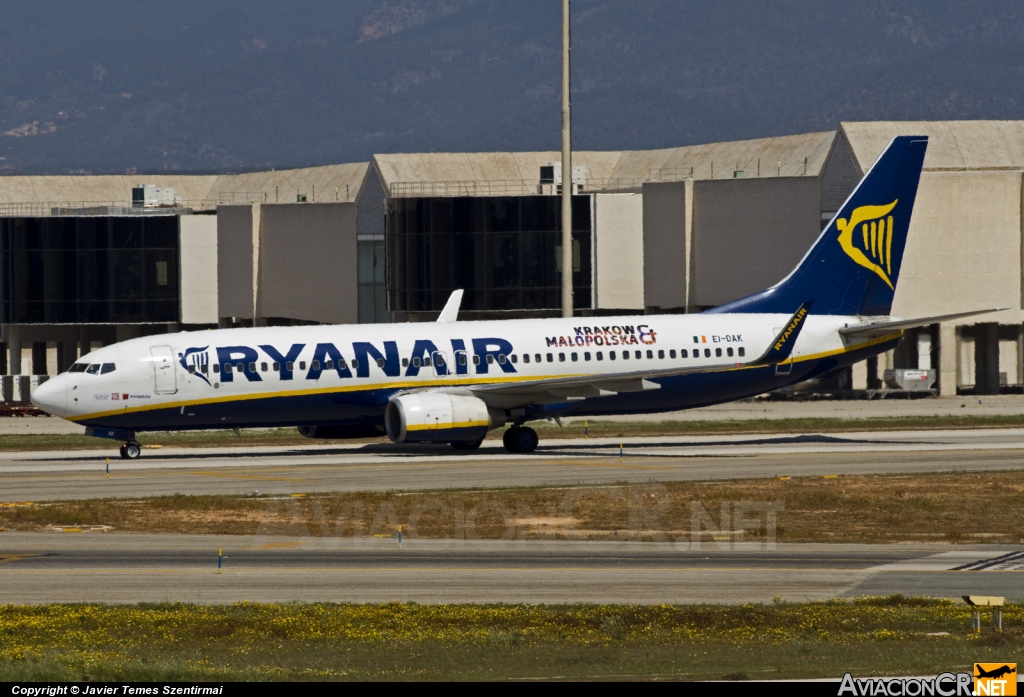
point(130, 450)
point(520, 439)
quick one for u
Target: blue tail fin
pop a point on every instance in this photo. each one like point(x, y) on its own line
point(853, 267)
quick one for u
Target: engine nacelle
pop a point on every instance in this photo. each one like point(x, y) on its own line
point(436, 417)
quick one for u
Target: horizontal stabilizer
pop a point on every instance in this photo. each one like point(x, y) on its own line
point(880, 328)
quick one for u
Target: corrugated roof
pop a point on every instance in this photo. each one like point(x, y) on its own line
point(325, 184)
point(98, 189)
point(484, 166)
point(952, 145)
point(782, 156)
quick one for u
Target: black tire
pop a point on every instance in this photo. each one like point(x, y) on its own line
point(132, 450)
point(465, 445)
point(526, 440)
point(509, 440)
point(124, 455)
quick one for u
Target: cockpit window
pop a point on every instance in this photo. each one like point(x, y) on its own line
point(108, 368)
point(93, 369)
point(78, 368)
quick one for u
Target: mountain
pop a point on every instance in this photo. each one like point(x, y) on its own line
point(113, 86)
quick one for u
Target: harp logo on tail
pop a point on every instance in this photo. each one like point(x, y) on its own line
point(867, 238)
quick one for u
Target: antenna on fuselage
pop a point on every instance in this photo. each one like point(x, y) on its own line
point(451, 308)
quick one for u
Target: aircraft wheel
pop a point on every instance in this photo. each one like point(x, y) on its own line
point(526, 440)
point(464, 445)
point(124, 455)
point(131, 450)
point(509, 440)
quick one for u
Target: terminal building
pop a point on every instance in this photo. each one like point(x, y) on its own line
point(84, 262)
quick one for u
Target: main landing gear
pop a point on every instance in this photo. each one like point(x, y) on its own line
point(130, 450)
point(520, 439)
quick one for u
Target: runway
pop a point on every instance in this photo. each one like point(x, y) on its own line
point(41, 476)
point(55, 567)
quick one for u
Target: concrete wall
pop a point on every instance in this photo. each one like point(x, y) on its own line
point(619, 251)
point(198, 264)
point(964, 248)
point(749, 233)
point(235, 261)
point(308, 261)
point(665, 244)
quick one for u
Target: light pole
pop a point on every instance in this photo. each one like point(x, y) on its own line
point(566, 171)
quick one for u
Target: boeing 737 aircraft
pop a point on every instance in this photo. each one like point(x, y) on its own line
point(452, 382)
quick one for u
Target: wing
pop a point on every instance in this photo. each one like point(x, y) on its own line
point(572, 388)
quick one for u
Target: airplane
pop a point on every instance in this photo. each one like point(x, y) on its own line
point(453, 382)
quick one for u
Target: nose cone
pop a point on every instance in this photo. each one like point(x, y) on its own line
point(51, 396)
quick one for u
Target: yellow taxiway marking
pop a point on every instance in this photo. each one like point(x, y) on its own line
point(229, 475)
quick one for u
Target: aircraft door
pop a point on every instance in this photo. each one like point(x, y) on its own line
point(165, 381)
point(441, 367)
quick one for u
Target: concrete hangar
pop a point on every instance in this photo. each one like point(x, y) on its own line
point(661, 231)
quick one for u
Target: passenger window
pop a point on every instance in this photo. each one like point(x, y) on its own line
point(574, 356)
point(277, 366)
point(354, 364)
point(586, 355)
point(672, 353)
point(638, 354)
point(216, 368)
point(329, 365)
point(561, 358)
point(536, 358)
point(252, 367)
point(316, 365)
point(241, 367)
point(514, 359)
point(416, 362)
point(650, 354)
point(718, 353)
point(380, 363)
point(227, 368)
point(263, 367)
point(302, 365)
point(289, 366)
point(462, 359)
point(728, 351)
point(707, 353)
point(661, 354)
point(405, 362)
point(611, 355)
point(551, 358)
point(191, 370)
point(600, 356)
point(205, 368)
point(526, 358)
point(490, 358)
point(426, 362)
point(625, 355)
point(683, 354)
point(78, 368)
point(476, 360)
point(93, 369)
point(502, 358)
point(742, 351)
point(110, 368)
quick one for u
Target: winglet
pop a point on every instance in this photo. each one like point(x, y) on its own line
point(451, 308)
point(782, 346)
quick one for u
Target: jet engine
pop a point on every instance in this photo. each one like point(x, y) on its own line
point(437, 417)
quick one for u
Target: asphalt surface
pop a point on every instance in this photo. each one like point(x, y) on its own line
point(41, 476)
point(66, 567)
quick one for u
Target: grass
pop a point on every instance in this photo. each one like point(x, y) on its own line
point(933, 507)
point(247, 641)
point(575, 429)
